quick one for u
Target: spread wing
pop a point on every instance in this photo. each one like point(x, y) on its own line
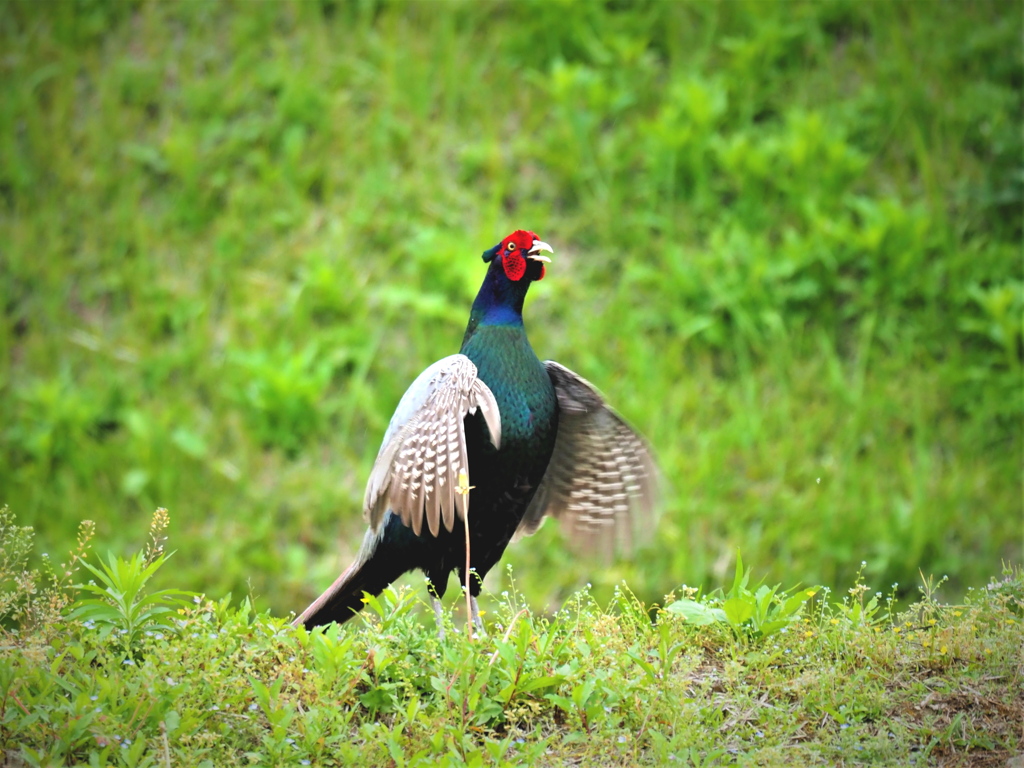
point(424, 448)
point(601, 482)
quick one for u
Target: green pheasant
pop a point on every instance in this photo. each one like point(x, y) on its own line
point(534, 439)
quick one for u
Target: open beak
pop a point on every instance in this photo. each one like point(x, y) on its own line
point(534, 252)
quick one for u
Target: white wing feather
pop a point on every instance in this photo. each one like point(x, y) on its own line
point(424, 448)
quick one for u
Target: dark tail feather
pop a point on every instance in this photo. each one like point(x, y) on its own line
point(344, 598)
point(339, 603)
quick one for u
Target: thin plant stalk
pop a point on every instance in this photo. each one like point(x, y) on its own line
point(464, 488)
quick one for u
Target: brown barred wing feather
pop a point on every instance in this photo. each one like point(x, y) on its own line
point(601, 482)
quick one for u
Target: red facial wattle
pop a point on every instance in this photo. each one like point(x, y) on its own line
point(514, 264)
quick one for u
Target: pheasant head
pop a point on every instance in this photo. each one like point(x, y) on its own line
point(520, 256)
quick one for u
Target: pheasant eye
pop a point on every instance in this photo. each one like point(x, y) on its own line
point(511, 247)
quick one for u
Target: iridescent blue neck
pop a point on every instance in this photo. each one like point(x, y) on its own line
point(499, 301)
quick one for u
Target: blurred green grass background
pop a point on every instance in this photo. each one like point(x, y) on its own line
point(787, 247)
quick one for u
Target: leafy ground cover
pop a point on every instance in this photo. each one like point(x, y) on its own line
point(114, 674)
point(788, 249)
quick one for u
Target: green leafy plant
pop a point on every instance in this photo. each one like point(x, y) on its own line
point(665, 653)
point(856, 611)
point(998, 318)
point(121, 603)
point(279, 716)
point(590, 699)
point(121, 607)
point(750, 613)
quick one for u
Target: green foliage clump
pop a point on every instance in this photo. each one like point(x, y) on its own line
point(32, 601)
point(630, 683)
point(750, 613)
